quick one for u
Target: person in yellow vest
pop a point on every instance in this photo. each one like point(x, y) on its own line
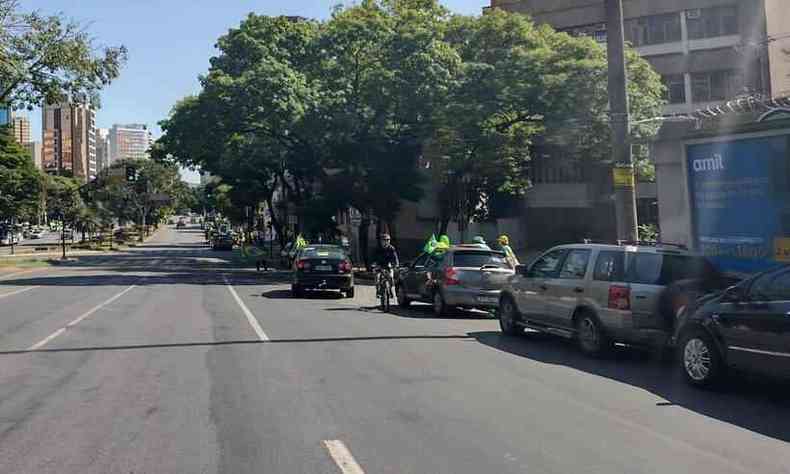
point(504, 246)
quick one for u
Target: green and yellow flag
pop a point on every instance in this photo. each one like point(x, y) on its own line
point(300, 242)
point(430, 245)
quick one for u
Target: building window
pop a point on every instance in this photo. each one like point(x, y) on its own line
point(716, 85)
point(655, 29)
point(676, 88)
point(712, 22)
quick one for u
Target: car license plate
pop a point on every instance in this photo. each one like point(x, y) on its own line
point(487, 299)
point(323, 268)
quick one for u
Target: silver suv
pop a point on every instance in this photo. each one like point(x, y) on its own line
point(603, 294)
point(465, 276)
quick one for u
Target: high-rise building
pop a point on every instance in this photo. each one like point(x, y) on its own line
point(102, 148)
point(130, 141)
point(707, 51)
point(69, 140)
point(21, 128)
point(34, 149)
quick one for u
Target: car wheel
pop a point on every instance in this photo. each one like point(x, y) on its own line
point(296, 291)
point(350, 292)
point(700, 359)
point(439, 307)
point(508, 317)
point(590, 335)
point(403, 300)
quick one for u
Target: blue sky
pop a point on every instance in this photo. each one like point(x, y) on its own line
point(170, 43)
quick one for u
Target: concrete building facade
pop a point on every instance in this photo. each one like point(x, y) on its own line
point(35, 151)
point(129, 141)
point(706, 51)
point(21, 129)
point(69, 140)
point(102, 149)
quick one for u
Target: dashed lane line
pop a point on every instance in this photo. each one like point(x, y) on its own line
point(250, 317)
point(73, 323)
point(342, 457)
point(5, 295)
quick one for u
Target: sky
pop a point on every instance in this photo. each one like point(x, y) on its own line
point(170, 43)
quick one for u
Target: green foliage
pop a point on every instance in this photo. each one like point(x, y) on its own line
point(648, 233)
point(64, 202)
point(48, 59)
point(20, 181)
point(338, 113)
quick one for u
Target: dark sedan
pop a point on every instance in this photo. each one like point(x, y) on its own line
point(322, 267)
point(222, 242)
point(747, 327)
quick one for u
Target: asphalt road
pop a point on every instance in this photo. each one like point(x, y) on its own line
point(167, 359)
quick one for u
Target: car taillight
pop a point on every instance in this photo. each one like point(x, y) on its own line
point(345, 267)
point(450, 275)
point(620, 297)
point(303, 265)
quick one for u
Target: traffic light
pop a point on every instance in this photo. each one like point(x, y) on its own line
point(131, 174)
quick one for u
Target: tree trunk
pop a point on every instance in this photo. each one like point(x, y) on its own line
point(443, 223)
point(363, 240)
point(276, 222)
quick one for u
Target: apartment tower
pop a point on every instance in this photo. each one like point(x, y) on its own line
point(69, 140)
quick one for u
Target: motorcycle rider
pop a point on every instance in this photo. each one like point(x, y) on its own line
point(385, 255)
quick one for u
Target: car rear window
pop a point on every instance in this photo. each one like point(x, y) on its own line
point(329, 253)
point(663, 269)
point(478, 259)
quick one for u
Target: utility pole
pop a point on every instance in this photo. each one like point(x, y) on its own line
point(623, 171)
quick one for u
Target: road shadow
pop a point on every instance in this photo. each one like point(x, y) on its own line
point(755, 404)
point(307, 295)
point(131, 276)
point(415, 312)
point(132, 347)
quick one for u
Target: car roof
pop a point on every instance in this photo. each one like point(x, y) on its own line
point(472, 248)
point(656, 249)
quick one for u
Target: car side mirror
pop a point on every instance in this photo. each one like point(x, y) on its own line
point(522, 270)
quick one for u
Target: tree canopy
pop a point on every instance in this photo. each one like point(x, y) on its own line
point(20, 181)
point(346, 112)
point(48, 59)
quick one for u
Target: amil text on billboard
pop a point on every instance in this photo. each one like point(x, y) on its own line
point(739, 192)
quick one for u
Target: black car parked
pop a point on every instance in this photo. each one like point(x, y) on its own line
point(746, 327)
point(322, 267)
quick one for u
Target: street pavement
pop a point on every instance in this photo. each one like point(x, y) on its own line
point(168, 359)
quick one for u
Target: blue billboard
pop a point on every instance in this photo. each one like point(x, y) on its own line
point(739, 191)
point(5, 115)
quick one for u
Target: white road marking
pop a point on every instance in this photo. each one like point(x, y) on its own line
point(250, 317)
point(342, 457)
point(4, 295)
point(60, 331)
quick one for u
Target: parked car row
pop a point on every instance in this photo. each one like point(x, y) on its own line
point(658, 297)
point(661, 297)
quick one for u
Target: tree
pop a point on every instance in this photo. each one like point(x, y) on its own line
point(327, 115)
point(48, 59)
point(20, 181)
point(64, 203)
point(524, 85)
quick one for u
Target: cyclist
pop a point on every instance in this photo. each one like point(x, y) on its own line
point(385, 255)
